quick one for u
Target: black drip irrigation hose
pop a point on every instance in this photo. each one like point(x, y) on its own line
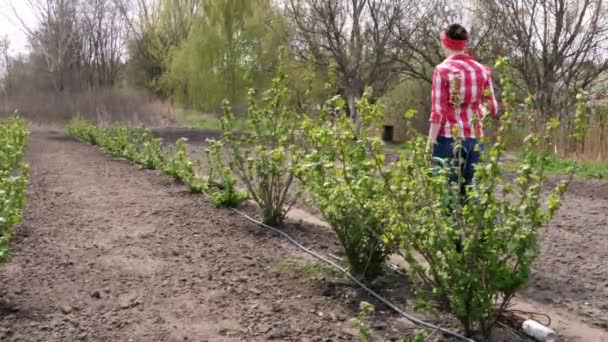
point(409, 317)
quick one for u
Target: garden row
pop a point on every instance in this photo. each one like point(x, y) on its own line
point(468, 255)
point(13, 179)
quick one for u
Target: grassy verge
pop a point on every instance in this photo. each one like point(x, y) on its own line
point(395, 147)
point(198, 120)
point(586, 169)
point(593, 169)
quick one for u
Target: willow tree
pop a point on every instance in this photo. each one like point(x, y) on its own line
point(232, 46)
point(157, 27)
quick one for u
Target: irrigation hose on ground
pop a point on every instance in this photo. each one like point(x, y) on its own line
point(356, 281)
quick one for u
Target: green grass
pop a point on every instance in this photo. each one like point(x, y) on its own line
point(195, 119)
point(560, 166)
point(585, 169)
point(310, 270)
point(395, 147)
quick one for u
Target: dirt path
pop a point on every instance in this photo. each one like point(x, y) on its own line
point(110, 253)
point(570, 277)
point(571, 272)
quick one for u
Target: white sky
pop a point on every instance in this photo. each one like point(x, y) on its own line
point(10, 25)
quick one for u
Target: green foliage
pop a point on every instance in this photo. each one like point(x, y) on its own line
point(140, 146)
point(83, 130)
point(343, 174)
point(361, 321)
point(476, 252)
point(220, 175)
point(162, 27)
point(470, 254)
point(151, 154)
point(413, 94)
point(562, 166)
point(233, 45)
point(263, 159)
point(13, 179)
point(136, 144)
point(178, 164)
point(420, 336)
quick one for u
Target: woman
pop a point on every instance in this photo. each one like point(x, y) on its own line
point(462, 90)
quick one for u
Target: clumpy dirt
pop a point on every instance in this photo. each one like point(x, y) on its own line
point(571, 272)
point(108, 252)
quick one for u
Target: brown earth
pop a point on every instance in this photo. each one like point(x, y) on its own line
point(571, 273)
point(111, 253)
point(572, 270)
point(108, 252)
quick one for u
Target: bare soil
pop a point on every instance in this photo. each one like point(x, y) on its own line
point(571, 273)
point(108, 252)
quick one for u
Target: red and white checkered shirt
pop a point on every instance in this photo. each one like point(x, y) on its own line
point(462, 89)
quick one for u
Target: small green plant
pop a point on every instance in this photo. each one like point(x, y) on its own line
point(140, 146)
point(135, 144)
point(361, 321)
point(177, 162)
point(83, 130)
point(222, 184)
point(13, 179)
point(151, 155)
point(263, 159)
point(420, 336)
point(343, 174)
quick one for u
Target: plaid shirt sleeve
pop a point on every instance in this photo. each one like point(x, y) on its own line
point(440, 98)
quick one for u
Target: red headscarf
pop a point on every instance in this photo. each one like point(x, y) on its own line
point(453, 44)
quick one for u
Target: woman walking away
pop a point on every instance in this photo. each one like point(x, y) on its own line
point(462, 90)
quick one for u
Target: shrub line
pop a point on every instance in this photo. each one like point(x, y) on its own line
point(187, 178)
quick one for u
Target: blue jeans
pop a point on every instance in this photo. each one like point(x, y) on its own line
point(469, 155)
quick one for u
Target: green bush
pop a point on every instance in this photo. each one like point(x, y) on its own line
point(343, 174)
point(177, 162)
point(13, 179)
point(222, 184)
point(473, 254)
point(151, 155)
point(263, 159)
point(470, 255)
point(83, 130)
point(140, 146)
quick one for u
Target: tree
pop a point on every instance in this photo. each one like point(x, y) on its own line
point(54, 39)
point(156, 27)
point(233, 46)
point(418, 43)
point(357, 36)
point(5, 64)
point(554, 45)
point(102, 39)
point(78, 44)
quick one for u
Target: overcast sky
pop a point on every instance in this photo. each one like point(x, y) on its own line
point(10, 26)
